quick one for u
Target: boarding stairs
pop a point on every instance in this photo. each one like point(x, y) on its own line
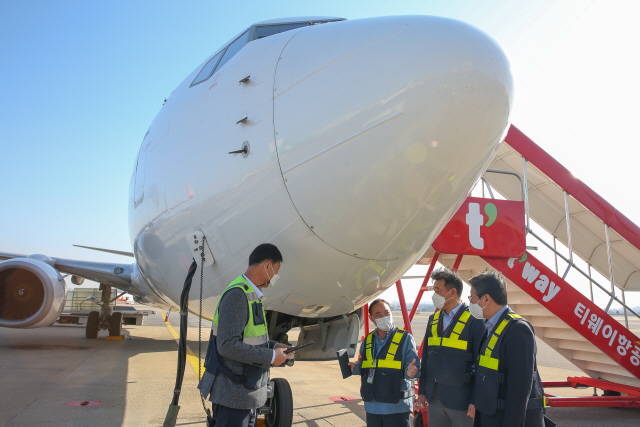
point(549, 327)
point(580, 259)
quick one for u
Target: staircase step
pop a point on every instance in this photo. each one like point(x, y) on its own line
point(571, 345)
point(545, 322)
point(592, 361)
point(530, 310)
point(599, 358)
point(604, 369)
point(514, 298)
point(561, 334)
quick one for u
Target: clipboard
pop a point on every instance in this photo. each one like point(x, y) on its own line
point(343, 360)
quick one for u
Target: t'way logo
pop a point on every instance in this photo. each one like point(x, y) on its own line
point(541, 282)
point(477, 229)
point(475, 221)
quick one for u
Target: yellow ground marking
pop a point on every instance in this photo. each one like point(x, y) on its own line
point(191, 357)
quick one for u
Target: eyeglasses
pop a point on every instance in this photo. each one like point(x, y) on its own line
point(478, 296)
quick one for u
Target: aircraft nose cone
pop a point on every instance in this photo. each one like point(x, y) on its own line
point(383, 125)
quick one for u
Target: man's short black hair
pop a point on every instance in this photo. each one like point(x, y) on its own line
point(377, 301)
point(451, 279)
point(265, 251)
point(492, 284)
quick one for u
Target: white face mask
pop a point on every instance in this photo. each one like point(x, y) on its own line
point(476, 311)
point(438, 300)
point(274, 278)
point(384, 323)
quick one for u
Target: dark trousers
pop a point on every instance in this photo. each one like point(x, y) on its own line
point(441, 416)
point(231, 417)
point(388, 420)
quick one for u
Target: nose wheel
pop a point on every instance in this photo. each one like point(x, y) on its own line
point(279, 408)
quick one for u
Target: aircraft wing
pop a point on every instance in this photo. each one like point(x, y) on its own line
point(117, 275)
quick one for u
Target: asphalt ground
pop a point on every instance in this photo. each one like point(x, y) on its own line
point(55, 377)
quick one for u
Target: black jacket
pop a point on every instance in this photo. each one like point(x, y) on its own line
point(517, 355)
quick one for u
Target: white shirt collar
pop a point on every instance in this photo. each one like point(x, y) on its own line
point(493, 320)
point(255, 288)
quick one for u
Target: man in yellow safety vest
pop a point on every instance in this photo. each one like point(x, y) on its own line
point(451, 346)
point(240, 352)
point(507, 388)
point(387, 364)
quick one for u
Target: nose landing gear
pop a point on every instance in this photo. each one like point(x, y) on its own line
point(278, 410)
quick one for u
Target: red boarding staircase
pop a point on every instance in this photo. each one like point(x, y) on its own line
point(534, 199)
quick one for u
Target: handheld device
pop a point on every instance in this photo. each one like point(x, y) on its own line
point(298, 347)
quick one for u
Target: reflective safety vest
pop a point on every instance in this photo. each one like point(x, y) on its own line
point(449, 359)
point(382, 377)
point(489, 381)
point(255, 333)
point(453, 339)
point(489, 350)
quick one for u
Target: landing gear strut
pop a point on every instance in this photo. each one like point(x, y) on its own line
point(105, 318)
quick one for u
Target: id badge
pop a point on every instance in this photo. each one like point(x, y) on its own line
point(372, 372)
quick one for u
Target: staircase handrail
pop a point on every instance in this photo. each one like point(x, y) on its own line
point(572, 264)
point(591, 200)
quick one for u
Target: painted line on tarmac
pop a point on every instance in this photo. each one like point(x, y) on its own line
point(191, 357)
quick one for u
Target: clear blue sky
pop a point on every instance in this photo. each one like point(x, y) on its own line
point(81, 81)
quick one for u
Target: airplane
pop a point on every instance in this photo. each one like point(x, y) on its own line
point(347, 143)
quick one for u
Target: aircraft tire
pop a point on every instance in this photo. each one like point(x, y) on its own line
point(115, 324)
point(91, 330)
point(281, 405)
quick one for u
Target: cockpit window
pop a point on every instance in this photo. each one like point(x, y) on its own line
point(208, 69)
point(269, 30)
point(234, 48)
point(253, 33)
point(221, 57)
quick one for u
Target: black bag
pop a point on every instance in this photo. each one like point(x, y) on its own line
point(213, 365)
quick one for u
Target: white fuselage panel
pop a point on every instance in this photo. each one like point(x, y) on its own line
point(364, 136)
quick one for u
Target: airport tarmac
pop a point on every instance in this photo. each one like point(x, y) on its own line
point(55, 377)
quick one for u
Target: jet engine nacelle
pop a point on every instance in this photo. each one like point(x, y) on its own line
point(31, 293)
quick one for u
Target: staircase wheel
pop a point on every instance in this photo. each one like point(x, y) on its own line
point(281, 404)
point(115, 324)
point(91, 330)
